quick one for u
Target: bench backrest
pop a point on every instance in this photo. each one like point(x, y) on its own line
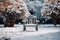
point(31, 20)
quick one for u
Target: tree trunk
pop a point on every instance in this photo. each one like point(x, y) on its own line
point(9, 23)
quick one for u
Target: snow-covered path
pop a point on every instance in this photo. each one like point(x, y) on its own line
point(17, 33)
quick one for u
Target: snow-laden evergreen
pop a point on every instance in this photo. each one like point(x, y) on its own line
point(34, 7)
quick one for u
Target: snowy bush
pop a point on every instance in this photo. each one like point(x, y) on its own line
point(49, 8)
point(17, 9)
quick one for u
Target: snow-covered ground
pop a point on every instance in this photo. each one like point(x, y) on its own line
point(45, 32)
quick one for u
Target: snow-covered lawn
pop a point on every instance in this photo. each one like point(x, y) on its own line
point(17, 33)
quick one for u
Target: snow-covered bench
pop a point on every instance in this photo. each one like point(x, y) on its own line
point(31, 21)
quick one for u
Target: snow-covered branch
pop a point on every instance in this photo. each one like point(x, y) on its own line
point(17, 9)
point(50, 7)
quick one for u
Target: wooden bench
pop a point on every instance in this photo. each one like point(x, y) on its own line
point(31, 21)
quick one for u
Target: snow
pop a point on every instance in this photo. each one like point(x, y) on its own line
point(17, 32)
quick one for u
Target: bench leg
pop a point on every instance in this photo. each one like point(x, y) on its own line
point(24, 28)
point(36, 28)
